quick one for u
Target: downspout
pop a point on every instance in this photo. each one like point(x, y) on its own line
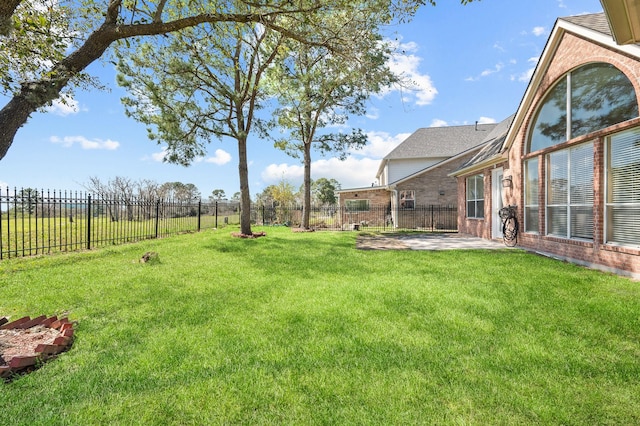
point(394, 206)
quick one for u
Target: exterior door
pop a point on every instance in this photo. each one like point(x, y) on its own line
point(496, 203)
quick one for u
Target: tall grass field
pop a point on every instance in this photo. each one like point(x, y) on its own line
point(305, 329)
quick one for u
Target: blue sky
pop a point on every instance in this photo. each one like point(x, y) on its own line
point(473, 63)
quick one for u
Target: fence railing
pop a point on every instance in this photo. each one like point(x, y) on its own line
point(432, 218)
point(42, 222)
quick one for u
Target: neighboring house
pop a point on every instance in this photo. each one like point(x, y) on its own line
point(417, 174)
point(570, 161)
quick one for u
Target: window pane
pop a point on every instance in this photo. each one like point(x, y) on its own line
point(407, 199)
point(475, 196)
point(471, 209)
point(357, 205)
point(624, 168)
point(558, 174)
point(582, 222)
point(550, 126)
point(471, 188)
point(531, 219)
point(582, 175)
point(623, 225)
point(557, 221)
point(601, 95)
point(531, 182)
point(623, 189)
point(531, 195)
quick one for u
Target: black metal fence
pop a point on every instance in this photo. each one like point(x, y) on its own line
point(431, 218)
point(42, 222)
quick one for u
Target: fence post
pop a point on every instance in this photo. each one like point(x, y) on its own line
point(1, 245)
point(89, 222)
point(432, 227)
point(199, 213)
point(216, 213)
point(157, 216)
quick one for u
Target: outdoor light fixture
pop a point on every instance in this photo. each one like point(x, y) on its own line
point(507, 182)
point(441, 192)
point(624, 19)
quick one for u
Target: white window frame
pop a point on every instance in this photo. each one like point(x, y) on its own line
point(571, 208)
point(631, 190)
point(531, 204)
point(407, 199)
point(479, 178)
point(357, 200)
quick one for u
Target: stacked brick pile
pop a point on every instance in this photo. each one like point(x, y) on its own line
point(26, 342)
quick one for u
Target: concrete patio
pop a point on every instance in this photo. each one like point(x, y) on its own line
point(425, 241)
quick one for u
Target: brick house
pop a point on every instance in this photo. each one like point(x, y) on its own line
point(416, 174)
point(570, 161)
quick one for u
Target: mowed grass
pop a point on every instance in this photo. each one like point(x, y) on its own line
point(302, 328)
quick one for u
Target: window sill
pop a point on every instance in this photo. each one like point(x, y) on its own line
point(621, 249)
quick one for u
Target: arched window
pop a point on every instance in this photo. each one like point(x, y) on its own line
point(587, 99)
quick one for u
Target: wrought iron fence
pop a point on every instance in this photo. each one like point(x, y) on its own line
point(42, 222)
point(432, 218)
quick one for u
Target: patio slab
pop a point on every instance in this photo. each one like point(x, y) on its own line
point(425, 242)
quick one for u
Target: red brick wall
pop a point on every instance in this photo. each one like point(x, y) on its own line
point(378, 198)
point(572, 52)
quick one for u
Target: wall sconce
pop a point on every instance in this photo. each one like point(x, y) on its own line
point(441, 192)
point(507, 181)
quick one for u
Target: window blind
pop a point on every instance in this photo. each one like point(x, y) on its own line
point(623, 188)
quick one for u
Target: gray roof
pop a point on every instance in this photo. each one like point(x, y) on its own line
point(492, 144)
point(594, 21)
point(430, 142)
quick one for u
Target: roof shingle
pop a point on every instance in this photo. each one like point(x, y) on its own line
point(436, 142)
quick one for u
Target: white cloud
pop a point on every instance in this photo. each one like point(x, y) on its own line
point(158, 156)
point(380, 144)
point(538, 31)
point(497, 68)
point(486, 120)
point(404, 63)
point(526, 76)
point(64, 105)
point(373, 114)
point(3, 185)
point(221, 157)
point(358, 170)
point(69, 141)
point(351, 173)
point(436, 122)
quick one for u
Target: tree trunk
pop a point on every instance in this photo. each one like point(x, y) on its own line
point(12, 117)
point(245, 196)
point(306, 205)
point(37, 94)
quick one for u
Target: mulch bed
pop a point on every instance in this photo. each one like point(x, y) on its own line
point(26, 343)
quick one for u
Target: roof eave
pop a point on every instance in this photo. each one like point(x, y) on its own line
point(624, 20)
point(490, 162)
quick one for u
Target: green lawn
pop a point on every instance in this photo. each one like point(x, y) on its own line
point(302, 328)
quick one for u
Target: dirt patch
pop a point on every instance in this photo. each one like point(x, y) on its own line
point(15, 343)
point(380, 242)
point(253, 235)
